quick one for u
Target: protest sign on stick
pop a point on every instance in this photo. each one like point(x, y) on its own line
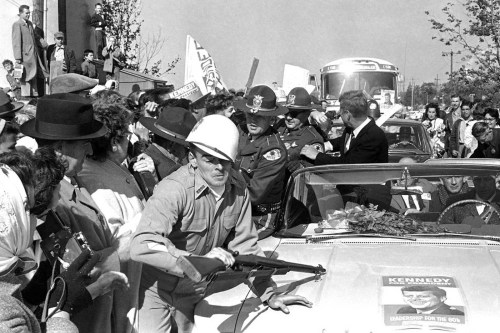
point(200, 68)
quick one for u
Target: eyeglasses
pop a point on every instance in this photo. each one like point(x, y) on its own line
point(489, 119)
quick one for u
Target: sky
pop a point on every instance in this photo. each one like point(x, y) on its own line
point(305, 33)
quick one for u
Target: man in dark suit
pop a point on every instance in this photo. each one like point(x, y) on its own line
point(488, 141)
point(99, 24)
point(362, 141)
point(169, 146)
point(61, 52)
point(426, 299)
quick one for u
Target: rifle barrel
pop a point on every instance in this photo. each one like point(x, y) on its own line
point(253, 260)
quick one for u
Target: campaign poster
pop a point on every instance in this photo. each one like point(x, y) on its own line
point(430, 302)
point(387, 99)
point(200, 68)
point(189, 91)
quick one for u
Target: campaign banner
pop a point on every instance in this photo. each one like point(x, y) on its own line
point(189, 91)
point(295, 76)
point(200, 68)
point(431, 302)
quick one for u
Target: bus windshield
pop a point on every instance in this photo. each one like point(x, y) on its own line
point(334, 84)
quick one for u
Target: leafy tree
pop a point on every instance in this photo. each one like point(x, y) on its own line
point(124, 21)
point(472, 29)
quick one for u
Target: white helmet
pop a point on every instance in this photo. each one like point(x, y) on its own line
point(216, 135)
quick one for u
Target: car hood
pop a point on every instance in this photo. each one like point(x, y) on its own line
point(361, 291)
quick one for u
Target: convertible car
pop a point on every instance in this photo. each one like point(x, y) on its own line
point(406, 138)
point(406, 248)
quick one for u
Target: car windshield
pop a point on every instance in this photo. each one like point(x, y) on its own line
point(409, 136)
point(371, 82)
point(397, 199)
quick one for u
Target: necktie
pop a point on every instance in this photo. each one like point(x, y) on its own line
point(348, 140)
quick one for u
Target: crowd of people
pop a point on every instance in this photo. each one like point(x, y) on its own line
point(36, 63)
point(463, 130)
point(140, 180)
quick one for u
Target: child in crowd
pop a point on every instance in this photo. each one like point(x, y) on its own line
point(88, 66)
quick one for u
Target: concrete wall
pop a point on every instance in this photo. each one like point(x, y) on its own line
point(80, 35)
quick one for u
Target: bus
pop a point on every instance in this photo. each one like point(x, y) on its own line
point(376, 77)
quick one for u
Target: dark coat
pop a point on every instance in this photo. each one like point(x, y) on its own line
point(262, 164)
point(26, 45)
point(490, 149)
point(97, 21)
point(444, 309)
point(164, 166)
point(370, 146)
point(459, 213)
point(69, 58)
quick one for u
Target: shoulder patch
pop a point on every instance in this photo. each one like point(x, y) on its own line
point(318, 147)
point(273, 155)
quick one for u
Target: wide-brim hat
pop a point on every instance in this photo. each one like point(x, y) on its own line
point(173, 123)
point(7, 106)
point(299, 99)
point(64, 117)
point(261, 100)
point(71, 83)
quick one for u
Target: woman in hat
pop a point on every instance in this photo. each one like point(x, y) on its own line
point(295, 130)
point(116, 192)
point(262, 156)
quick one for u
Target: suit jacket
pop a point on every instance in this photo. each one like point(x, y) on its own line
point(97, 21)
point(444, 309)
point(164, 166)
point(69, 58)
point(26, 45)
point(370, 146)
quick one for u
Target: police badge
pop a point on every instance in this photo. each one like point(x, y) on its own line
point(291, 99)
point(257, 102)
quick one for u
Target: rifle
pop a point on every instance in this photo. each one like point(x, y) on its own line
point(198, 268)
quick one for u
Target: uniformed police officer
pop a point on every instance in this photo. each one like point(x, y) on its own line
point(262, 156)
point(295, 131)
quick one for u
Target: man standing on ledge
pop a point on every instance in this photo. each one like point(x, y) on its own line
point(362, 141)
point(97, 21)
point(26, 45)
point(196, 210)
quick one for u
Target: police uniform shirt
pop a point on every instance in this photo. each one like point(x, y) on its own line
point(295, 140)
point(262, 163)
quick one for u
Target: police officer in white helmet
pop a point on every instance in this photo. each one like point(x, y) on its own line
point(193, 211)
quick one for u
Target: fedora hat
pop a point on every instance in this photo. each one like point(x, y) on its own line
point(261, 100)
point(7, 106)
point(64, 117)
point(174, 124)
point(299, 99)
point(71, 83)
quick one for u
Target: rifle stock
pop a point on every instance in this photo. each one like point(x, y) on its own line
point(198, 268)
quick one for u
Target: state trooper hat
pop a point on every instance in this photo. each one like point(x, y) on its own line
point(261, 100)
point(299, 99)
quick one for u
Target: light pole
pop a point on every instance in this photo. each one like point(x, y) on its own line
point(451, 53)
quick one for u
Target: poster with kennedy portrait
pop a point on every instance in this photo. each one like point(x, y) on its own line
point(422, 302)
